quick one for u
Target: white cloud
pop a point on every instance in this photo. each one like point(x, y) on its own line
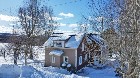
point(69, 25)
point(99, 19)
point(75, 29)
point(62, 24)
point(56, 18)
point(66, 15)
point(8, 18)
point(73, 25)
point(5, 29)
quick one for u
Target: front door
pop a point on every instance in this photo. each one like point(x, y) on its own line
point(65, 59)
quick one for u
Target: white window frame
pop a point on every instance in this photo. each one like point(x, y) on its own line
point(53, 59)
point(58, 42)
point(86, 57)
point(80, 60)
point(83, 46)
point(64, 59)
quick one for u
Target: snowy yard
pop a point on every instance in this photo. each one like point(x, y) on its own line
point(12, 71)
point(98, 73)
point(35, 69)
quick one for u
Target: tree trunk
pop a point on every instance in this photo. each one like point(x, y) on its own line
point(25, 59)
point(15, 56)
point(31, 53)
point(26, 56)
point(4, 54)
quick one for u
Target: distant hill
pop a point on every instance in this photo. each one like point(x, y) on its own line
point(4, 37)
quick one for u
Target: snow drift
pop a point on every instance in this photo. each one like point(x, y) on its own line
point(14, 71)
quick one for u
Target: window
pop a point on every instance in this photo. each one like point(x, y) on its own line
point(83, 46)
point(53, 59)
point(85, 57)
point(80, 60)
point(58, 43)
point(96, 60)
point(65, 59)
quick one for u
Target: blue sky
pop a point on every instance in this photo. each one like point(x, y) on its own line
point(75, 7)
point(67, 12)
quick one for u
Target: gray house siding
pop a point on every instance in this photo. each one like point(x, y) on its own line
point(59, 59)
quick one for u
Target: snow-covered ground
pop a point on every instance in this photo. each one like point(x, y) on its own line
point(13, 71)
point(35, 69)
point(98, 73)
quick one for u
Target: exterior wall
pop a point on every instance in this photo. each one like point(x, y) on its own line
point(84, 62)
point(71, 56)
point(59, 59)
point(47, 57)
point(104, 54)
point(81, 53)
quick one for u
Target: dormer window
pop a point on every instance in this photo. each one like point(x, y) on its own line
point(58, 43)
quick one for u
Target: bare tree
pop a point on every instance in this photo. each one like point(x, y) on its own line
point(112, 39)
point(35, 19)
point(130, 36)
point(103, 15)
point(127, 15)
point(16, 46)
point(3, 50)
point(103, 19)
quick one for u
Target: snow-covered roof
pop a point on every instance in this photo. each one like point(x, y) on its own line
point(74, 41)
point(56, 52)
point(49, 42)
point(88, 40)
point(97, 39)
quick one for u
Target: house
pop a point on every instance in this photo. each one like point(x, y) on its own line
point(75, 51)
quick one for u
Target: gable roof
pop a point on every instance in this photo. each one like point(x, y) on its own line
point(97, 38)
point(74, 41)
point(49, 42)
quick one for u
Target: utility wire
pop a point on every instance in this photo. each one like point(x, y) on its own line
point(66, 3)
